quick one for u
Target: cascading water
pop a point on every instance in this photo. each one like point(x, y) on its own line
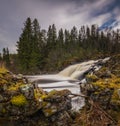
point(69, 78)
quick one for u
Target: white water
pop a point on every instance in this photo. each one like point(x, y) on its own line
point(69, 78)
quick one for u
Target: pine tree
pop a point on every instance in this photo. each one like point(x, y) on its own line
point(67, 40)
point(4, 54)
point(38, 46)
point(35, 46)
point(60, 40)
point(7, 57)
point(51, 37)
point(74, 35)
point(24, 46)
point(54, 35)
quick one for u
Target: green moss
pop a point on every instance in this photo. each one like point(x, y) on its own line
point(19, 100)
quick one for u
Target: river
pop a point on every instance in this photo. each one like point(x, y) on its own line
point(70, 78)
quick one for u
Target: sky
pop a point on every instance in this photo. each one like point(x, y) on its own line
point(63, 13)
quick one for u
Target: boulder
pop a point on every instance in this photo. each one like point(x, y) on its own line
point(56, 101)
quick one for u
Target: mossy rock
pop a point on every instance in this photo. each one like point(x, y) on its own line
point(91, 78)
point(56, 96)
point(104, 72)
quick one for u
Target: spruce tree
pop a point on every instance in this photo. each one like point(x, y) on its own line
point(60, 40)
point(0, 57)
point(24, 46)
point(7, 57)
point(35, 46)
point(67, 40)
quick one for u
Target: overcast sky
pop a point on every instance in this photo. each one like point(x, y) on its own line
point(64, 13)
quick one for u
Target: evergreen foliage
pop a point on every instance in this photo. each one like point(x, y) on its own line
point(40, 50)
point(6, 57)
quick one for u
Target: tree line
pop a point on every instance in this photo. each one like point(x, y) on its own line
point(51, 50)
point(5, 57)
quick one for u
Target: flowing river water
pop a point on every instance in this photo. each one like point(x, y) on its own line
point(70, 78)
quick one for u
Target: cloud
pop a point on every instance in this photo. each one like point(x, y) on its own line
point(6, 42)
point(63, 13)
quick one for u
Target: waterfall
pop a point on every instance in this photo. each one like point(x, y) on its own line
point(78, 71)
point(69, 78)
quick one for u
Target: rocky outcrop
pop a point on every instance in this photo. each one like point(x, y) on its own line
point(19, 101)
point(103, 93)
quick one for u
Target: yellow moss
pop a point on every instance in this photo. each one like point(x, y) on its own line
point(58, 93)
point(15, 87)
point(3, 110)
point(53, 92)
point(1, 76)
point(48, 112)
point(37, 94)
point(3, 81)
point(100, 84)
point(3, 70)
point(44, 96)
point(12, 88)
point(92, 78)
point(97, 92)
point(19, 100)
point(44, 104)
point(115, 96)
point(113, 82)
